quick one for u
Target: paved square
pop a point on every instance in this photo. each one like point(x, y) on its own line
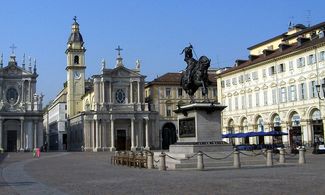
point(91, 173)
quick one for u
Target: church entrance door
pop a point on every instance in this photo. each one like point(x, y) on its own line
point(12, 141)
point(121, 139)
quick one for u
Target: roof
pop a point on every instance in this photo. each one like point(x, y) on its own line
point(277, 53)
point(174, 78)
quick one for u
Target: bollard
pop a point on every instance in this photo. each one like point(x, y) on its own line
point(269, 158)
point(150, 160)
point(162, 162)
point(282, 159)
point(302, 159)
point(200, 165)
point(236, 159)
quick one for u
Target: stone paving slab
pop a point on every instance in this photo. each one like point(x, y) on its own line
point(91, 173)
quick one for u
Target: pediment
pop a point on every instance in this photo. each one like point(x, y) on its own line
point(292, 80)
point(256, 89)
point(282, 83)
point(312, 75)
point(264, 86)
point(124, 72)
point(13, 70)
point(273, 84)
point(301, 78)
point(322, 74)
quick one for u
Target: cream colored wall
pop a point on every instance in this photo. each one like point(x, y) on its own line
point(315, 71)
point(259, 50)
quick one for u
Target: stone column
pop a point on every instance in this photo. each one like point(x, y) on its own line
point(147, 135)
point(309, 133)
point(1, 147)
point(131, 93)
point(35, 133)
point(30, 92)
point(103, 91)
point(138, 92)
point(21, 134)
point(112, 136)
point(93, 132)
point(22, 91)
point(97, 134)
point(133, 148)
point(110, 91)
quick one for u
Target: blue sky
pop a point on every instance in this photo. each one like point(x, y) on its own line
point(154, 31)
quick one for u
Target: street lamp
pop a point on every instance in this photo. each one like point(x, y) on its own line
point(318, 90)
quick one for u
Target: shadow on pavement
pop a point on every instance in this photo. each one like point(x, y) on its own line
point(16, 184)
point(2, 157)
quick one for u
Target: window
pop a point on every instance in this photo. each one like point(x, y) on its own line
point(229, 104)
point(167, 92)
point(265, 97)
point(283, 94)
point(302, 91)
point(264, 72)
point(223, 84)
point(168, 110)
point(250, 101)
point(311, 59)
point(272, 70)
point(290, 65)
point(281, 67)
point(300, 62)
point(312, 88)
point(234, 81)
point(228, 82)
point(76, 60)
point(236, 103)
point(247, 77)
point(292, 93)
point(255, 75)
point(243, 102)
point(321, 56)
point(241, 79)
point(257, 99)
point(274, 96)
point(180, 92)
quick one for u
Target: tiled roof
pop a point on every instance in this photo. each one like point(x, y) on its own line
point(277, 53)
point(174, 78)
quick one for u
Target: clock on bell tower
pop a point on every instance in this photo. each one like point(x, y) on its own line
point(75, 70)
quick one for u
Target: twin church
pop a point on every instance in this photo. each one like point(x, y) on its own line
point(104, 112)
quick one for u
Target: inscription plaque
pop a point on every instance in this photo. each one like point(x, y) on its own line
point(187, 127)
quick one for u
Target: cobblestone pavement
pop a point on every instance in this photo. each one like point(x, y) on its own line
point(91, 173)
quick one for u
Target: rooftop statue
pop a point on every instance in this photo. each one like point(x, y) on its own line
point(195, 74)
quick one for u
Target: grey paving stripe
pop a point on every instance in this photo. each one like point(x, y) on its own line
point(20, 181)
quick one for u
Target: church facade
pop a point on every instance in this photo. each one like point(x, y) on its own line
point(20, 107)
point(106, 111)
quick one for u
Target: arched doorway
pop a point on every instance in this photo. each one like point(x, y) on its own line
point(244, 129)
point(231, 129)
point(260, 128)
point(168, 135)
point(295, 138)
point(317, 127)
point(277, 127)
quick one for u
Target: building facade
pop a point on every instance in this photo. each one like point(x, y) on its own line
point(164, 94)
point(107, 111)
point(20, 107)
point(275, 89)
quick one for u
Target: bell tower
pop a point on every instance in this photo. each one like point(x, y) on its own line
point(75, 70)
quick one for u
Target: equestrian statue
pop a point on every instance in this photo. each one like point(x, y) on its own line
point(195, 75)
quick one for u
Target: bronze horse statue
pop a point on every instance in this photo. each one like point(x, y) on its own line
point(195, 75)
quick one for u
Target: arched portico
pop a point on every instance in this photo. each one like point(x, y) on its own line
point(168, 135)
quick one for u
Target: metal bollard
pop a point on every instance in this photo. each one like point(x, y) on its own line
point(162, 162)
point(269, 158)
point(302, 159)
point(282, 159)
point(236, 159)
point(200, 165)
point(150, 160)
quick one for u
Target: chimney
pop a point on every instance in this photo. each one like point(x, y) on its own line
point(283, 46)
point(302, 40)
point(252, 57)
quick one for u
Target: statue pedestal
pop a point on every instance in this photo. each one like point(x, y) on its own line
point(199, 129)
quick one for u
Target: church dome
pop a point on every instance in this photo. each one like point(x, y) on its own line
point(75, 35)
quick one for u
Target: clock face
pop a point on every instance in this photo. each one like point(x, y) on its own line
point(12, 95)
point(76, 74)
point(120, 96)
